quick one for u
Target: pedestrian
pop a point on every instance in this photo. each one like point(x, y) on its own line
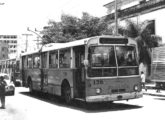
point(143, 78)
point(158, 86)
point(2, 91)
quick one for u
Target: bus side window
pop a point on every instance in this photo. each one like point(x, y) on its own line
point(24, 63)
point(36, 61)
point(53, 59)
point(29, 62)
point(64, 59)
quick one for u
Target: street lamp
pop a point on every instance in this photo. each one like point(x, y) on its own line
point(35, 32)
point(38, 36)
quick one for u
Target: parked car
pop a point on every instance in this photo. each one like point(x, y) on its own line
point(10, 88)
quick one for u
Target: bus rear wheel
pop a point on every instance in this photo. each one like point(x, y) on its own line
point(66, 94)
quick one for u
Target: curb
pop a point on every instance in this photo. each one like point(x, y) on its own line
point(151, 94)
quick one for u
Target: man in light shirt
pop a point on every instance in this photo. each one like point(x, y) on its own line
point(143, 77)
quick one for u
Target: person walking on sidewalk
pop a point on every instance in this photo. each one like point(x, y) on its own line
point(143, 78)
point(2, 91)
point(158, 86)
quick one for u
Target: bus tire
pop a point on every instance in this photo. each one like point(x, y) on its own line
point(66, 92)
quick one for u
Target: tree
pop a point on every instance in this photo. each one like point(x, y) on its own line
point(72, 28)
point(91, 26)
point(142, 33)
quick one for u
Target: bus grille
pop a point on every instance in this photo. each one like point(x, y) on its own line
point(118, 90)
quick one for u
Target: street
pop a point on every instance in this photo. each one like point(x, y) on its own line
point(24, 106)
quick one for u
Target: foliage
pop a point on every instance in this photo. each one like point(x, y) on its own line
point(142, 33)
point(72, 28)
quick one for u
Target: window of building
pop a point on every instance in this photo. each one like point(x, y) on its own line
point(14, 36)
point(3, 49)
point(64, 58)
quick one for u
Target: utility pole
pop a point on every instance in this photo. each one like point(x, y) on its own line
point(116, 18)
point(26, 45)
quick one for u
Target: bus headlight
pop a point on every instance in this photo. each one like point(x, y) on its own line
point(135, 87)
point(98, 90)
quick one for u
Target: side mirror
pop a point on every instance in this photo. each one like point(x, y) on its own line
point(86, 63)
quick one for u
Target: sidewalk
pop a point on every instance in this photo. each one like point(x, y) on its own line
point(152, 91)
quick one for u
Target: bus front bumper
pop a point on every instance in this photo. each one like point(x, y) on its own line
point(114, 97)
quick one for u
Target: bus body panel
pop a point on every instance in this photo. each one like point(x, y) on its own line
point(55, 79)
point(120, 86)
point(34, 76)
point(114, 97)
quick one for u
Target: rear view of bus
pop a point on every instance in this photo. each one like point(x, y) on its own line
point(112, 70)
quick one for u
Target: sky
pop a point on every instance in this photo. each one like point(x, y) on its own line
point(17, 15)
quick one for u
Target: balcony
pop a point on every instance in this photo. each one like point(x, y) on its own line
point(142, 8)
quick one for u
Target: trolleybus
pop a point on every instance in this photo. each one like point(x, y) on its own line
point(11, 67)
point(96, 69)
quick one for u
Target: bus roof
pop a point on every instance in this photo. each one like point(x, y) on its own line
point(55, 46)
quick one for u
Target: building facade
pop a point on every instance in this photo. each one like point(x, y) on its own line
point(139, 11)
point(9, 42)
point(3, 51)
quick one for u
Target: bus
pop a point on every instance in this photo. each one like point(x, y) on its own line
point(96, 69)
point(158, 67)
point(11, 67)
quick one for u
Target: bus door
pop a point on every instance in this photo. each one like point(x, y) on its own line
point(80, 71)
point(43, 70)
point(44, 80)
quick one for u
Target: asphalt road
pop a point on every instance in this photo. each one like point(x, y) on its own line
point(24, 106)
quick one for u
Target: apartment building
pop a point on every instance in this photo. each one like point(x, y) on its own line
point(139, 11)
point(3, 51)
point(9, 43)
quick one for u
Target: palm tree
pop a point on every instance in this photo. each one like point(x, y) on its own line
point(141, 33)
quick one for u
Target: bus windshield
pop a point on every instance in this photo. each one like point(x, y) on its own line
point(102, 56)
point(126, 56)
point(105, 61)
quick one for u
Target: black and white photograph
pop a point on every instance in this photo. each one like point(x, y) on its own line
point(82, 59)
